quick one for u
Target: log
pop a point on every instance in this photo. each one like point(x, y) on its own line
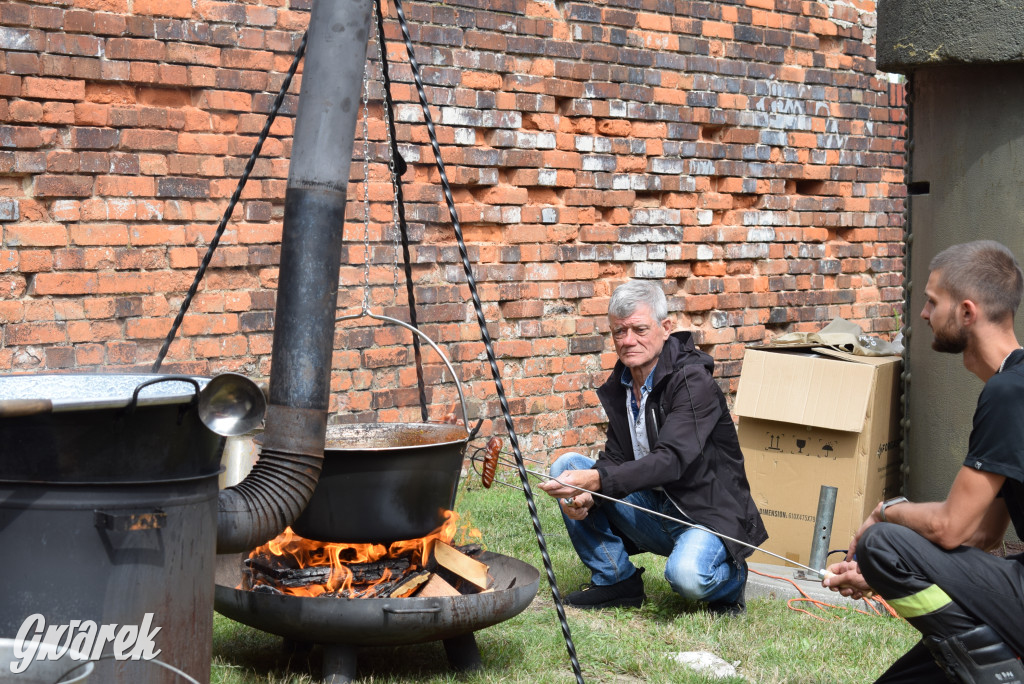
point(409, 584)
point(461, 565)
point(274, 570)
point(436, 586)
point(365, 573)
point(471, 550)
point(276, 573)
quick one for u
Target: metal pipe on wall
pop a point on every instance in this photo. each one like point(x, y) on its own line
point(283, 480)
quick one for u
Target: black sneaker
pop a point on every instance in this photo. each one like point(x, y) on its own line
point(977, 655)
point(724, 609)
point(629, 593)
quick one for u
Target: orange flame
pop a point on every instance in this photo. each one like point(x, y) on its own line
point(292, 551)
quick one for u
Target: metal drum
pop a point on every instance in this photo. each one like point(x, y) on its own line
point(108, 509)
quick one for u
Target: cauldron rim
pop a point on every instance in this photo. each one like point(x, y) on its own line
point(70, 391)
point(343, 438)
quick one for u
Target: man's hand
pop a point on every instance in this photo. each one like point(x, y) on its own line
point(847, 580)
point(577, 507)
point(585, 479)
point(876, 516)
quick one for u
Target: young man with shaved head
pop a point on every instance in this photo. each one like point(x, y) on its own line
point(929, 560)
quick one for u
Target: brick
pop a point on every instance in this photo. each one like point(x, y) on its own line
point(164, 8)
point(34, 333)
point(12, 38)
point(166, 141)
point(52, 88)
point(94, 138)
point(125, 186)
point(63, 186)
point(183, 187)
point(102, 234)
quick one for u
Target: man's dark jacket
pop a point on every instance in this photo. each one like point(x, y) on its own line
point(696, 455)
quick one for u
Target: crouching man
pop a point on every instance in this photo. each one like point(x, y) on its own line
point(671, 447)
point(929, 560)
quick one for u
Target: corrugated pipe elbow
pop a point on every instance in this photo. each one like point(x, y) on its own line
point(280, 485)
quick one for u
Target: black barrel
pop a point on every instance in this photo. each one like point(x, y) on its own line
point(108, 516)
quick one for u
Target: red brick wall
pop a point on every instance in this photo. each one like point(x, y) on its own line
point(745, 154)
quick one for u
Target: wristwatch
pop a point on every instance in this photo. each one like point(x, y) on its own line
point(890, 502)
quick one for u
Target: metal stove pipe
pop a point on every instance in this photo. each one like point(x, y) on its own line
point(280, 485)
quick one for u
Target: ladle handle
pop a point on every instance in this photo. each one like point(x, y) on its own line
point(423, 335)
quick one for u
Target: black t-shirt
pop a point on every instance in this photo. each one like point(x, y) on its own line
point(997, 438)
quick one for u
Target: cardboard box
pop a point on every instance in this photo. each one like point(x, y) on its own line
point(817, 417)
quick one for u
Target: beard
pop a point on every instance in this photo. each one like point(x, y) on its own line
point(950, 338)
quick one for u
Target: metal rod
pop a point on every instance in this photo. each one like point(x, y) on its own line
point(823, 525)
point(543, 476)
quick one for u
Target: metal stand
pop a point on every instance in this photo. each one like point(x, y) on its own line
point(339, 663)
point(463, 654)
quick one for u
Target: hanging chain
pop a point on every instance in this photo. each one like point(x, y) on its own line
point(397, 166)
point(366, 187)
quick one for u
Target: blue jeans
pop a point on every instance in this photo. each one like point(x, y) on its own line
point(698, 566)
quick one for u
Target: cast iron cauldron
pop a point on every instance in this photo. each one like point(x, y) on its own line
point(386, 482)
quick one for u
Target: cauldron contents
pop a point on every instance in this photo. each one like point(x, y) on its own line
point(295, 566)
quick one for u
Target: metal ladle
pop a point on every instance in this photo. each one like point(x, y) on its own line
point(231, 405)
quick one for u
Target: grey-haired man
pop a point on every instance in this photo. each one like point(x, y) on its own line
point(672, 447)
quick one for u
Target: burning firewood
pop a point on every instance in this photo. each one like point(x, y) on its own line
point(436, 586)
point(410, 584)
point(461, 565)
point(292, 566)
point(267, 569)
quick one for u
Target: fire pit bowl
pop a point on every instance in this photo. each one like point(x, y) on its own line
point(342, 624)
point(384, 482)
point(381, 621)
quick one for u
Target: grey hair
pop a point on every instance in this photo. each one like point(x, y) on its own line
point(984, 271)
point(632, 293)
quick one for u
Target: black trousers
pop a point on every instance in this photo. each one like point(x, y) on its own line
point(898, 563)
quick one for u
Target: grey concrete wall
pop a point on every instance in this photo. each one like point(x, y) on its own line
point(917, 33)
point(968, 132)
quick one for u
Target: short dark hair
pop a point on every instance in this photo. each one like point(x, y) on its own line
point(983, 271)
point(632, 293)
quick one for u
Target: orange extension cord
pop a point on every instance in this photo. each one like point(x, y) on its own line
point(804, 598)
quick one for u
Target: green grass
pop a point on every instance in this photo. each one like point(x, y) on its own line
point(771, 643)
